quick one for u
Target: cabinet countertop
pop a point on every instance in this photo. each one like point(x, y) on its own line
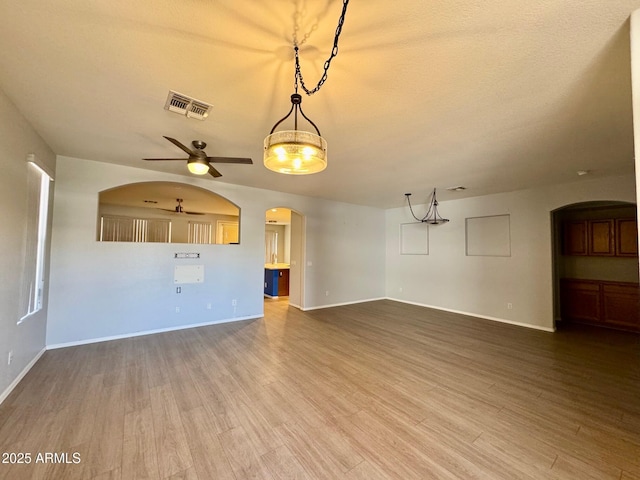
point(276, 266)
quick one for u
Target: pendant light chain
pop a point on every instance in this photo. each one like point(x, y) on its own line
point(327, 64)
point(297, 20)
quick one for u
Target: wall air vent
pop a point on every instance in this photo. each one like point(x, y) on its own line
point(190, 107)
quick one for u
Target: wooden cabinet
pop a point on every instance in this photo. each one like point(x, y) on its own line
point(626, 237)
point(276, 282)
point(601, 235)
point(580, 300)
point(601, 238)
point(621, 305)
point(283, 283)
point(611, 304)
point(575, 238)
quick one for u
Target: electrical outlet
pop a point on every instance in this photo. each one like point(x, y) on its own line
point(234, 302)
point(178, 289)
point(326, 294)
point(10, 357)
point(208, 306)
point(510, 306)
point(177, 309)
point(400, 289)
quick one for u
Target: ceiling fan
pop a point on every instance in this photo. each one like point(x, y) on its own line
point(180, 209)
point(198, 161)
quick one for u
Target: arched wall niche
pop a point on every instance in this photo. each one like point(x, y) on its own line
point(585, 265)
point(166, 212)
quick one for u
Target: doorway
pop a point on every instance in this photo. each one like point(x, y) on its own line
point(284, 256)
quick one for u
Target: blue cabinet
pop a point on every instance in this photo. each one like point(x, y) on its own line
point(271, 282)
point(276, 282)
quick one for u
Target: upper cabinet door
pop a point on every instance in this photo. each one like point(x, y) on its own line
point(601, 238)
point(575, 238)
point(626, 237)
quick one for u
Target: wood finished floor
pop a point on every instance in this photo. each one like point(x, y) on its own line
point(378, 390)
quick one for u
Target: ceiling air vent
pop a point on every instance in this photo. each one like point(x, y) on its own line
point(192, 108)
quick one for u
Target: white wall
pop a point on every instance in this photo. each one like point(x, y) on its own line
point(102, 290)
point(483, 286)
point(27, 340)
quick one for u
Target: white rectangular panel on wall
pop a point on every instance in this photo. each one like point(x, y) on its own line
point(414, 239)
point(188, 274)
point(488, 236)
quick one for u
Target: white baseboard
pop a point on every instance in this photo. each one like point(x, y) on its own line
point(342, 304)
point(469, 314)
point(149, 332)
point(16, 381)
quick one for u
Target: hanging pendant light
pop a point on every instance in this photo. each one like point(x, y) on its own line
point(432, 216)
point(299, 152)
point(295, 152)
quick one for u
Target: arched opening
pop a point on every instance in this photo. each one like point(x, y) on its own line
point(284, 257)
point(595, 265)
point(166, 212)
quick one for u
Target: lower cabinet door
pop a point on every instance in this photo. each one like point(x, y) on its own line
point(621, 305)
point(283, 283)
point(580, 300)
point(612, 304)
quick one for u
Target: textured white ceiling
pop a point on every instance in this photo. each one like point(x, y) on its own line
point(496, 95)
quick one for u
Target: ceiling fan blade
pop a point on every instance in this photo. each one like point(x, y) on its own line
point(244, 161)
point(194, 213)
point(180, 146)
point(213, 172)
point(163, 159)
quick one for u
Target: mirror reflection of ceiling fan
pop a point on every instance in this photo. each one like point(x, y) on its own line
point(198, 162)
point(180, 209)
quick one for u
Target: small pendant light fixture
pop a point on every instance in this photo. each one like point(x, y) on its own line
point(295, 152)
point(432, 216)
point(299, 152)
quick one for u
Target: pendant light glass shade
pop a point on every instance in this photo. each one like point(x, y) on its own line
point(295, 152)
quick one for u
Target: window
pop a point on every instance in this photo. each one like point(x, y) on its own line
point(35, 240)
point(199, 232)
point(271, 247)
point(126, 229)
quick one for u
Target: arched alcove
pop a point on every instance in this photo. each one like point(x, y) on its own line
point(166, 212)
point(595, 264)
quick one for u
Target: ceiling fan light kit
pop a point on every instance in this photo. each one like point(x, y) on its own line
point(198, 162)
point(298, 152)
point(198, 166)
